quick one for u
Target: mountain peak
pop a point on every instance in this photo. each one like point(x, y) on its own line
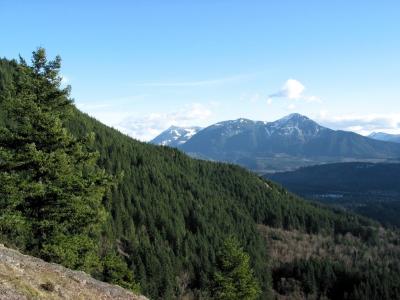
point(175, 136)
point(243, 120)
point(294, 116)
point(294, 119)
point(295, 125)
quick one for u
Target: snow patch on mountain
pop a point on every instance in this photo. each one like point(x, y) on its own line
point(175, 136)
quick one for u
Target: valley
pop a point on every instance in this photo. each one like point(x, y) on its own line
point(370, 189)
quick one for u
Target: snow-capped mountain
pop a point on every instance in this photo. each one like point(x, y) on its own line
point(292, 141)
point(295, 124)
point(243, 135)
point(175, 136)
point(382, 136)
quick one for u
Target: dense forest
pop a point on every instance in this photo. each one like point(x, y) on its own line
point(370, 189)
point(151, 218)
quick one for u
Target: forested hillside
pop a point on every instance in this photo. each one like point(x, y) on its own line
point(167, 216)
point(190, 206)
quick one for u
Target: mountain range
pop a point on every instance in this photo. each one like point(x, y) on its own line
point(285, 144)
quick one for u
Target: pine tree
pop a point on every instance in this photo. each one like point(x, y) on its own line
point(51, 188)
point(234, 279)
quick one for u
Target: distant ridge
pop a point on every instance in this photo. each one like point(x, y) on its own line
point(382, 136)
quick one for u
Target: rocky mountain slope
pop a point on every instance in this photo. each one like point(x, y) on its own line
point(27, 277)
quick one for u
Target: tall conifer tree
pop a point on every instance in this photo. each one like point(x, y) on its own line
point(234, 279)
point(51, 189)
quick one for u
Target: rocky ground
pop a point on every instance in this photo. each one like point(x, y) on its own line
point(27, 277)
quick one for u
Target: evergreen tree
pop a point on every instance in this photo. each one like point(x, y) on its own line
point(234, 278)
point(51, 189)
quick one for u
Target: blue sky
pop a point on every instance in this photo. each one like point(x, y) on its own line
point(142, 66)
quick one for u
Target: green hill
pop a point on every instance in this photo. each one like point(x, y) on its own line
point(168, 217)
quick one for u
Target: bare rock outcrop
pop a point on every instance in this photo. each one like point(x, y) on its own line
point(27, 277)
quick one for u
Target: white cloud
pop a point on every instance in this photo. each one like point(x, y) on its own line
point(291, 106)
point(252, 97)
point(311, 99)
point(111, 111)
point(255, 98)
point(293, 89)
point(194, 83)
point(147, 127)
point(362, 124)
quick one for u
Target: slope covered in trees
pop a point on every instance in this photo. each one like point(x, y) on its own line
point(190, 206)
point(167, 215)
